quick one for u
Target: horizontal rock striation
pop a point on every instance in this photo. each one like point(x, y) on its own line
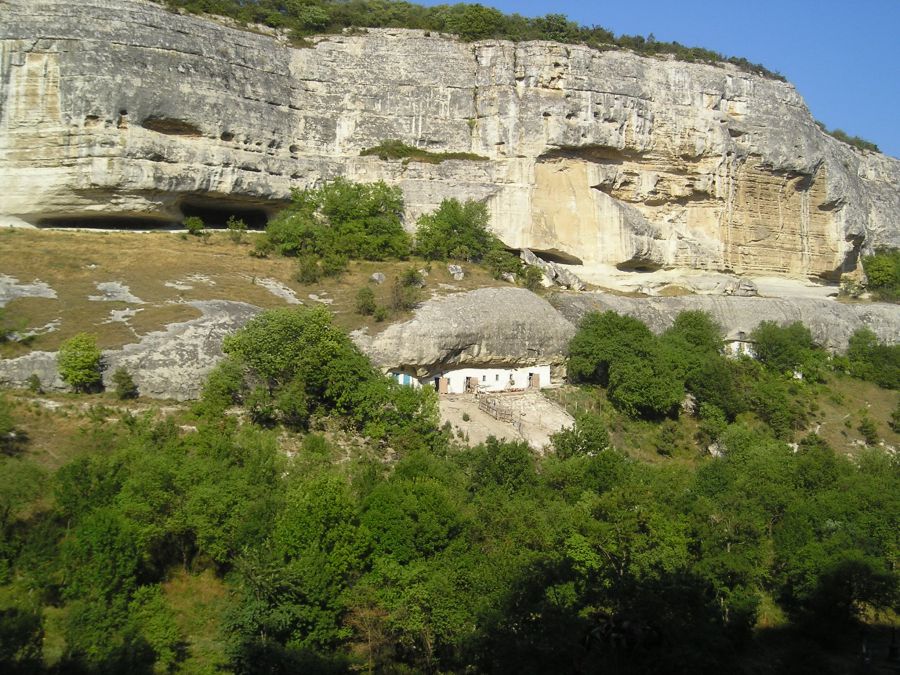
point(831, 323)
point(122, 109)
point(487, 327)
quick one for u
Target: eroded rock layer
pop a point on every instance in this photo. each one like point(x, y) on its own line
point(121, 109)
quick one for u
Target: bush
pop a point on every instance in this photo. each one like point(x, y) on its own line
point(237, 228)
point(405, 294)
point(532, 278)
point(783, 349)
point(365, 301)
point(868, 430)
point(194, 225)
point(341, 221)
point(455, 230)
point(869, 359)
point(34, 384)
point(381, 314)
point(587, 436)
point(79, 362)
point(883, 274)
point(125, 386)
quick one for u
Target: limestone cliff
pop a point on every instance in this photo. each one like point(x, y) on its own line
point(122, 109)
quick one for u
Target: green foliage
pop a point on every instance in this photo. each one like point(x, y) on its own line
point(587, 436)
point(339, 221)
point(868, 429)
point(500, 262)
point(194, 226)
point(405, 292)
point(237, 228)
point(532, 278)
point(456, 230)
point(883, 274)
point(470, 22)
point(783, 349)
point(365, 301)
point(34, 384)
point(854, 141)
point(21, 640)
point(395, 149)
point(603, 339)
point(79, 362)
point(871, 360)
point(125, 386)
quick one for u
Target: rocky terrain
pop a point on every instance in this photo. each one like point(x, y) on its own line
point(121, 110)
point(488, 326)
point(169, 364)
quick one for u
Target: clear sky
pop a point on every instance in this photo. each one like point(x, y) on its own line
point(843, 56)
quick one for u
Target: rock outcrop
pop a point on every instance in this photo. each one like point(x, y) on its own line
point(487, 327)
point(169, 364)
point(831, 323)
point(121, 109)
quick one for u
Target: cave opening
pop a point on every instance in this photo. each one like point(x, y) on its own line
point(215, 212)
point(108, 222)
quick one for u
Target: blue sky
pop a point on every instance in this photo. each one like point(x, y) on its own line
point(843, 57)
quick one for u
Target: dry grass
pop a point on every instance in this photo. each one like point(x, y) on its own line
point(842, 406)
point(199, 602)
point(72, 263)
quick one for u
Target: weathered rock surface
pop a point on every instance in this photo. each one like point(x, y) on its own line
point(831, 323)
point(165, 364)
point(119, 108)
point(484, 327)
point(558, 274)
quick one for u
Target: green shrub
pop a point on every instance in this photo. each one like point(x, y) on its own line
point(455, 230)
point(883, 274)
point(365, 301)
point(404, 294)
point(340, 221)
point(34, 384)
point(125, 386)
point(868, 430)
point(237, 228)
point(532, 278)
point(381, 314)
point(79, 362)
point(194, 226)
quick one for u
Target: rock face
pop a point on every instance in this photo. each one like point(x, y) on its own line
point(170, 364)
point(121, 109)
point(831, 323)
point(487, 327)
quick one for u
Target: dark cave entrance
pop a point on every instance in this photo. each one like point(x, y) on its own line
point(109, 222)
point(215, 212)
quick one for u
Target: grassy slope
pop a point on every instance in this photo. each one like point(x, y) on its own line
point(72, 263)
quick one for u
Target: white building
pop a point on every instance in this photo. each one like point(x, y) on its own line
point(464, 380)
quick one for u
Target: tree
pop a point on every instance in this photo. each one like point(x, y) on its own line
point(603, 339)
point(339, 221)
point(455, 230)
point(79, 362)
point(783, 349)
point(587, 436)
